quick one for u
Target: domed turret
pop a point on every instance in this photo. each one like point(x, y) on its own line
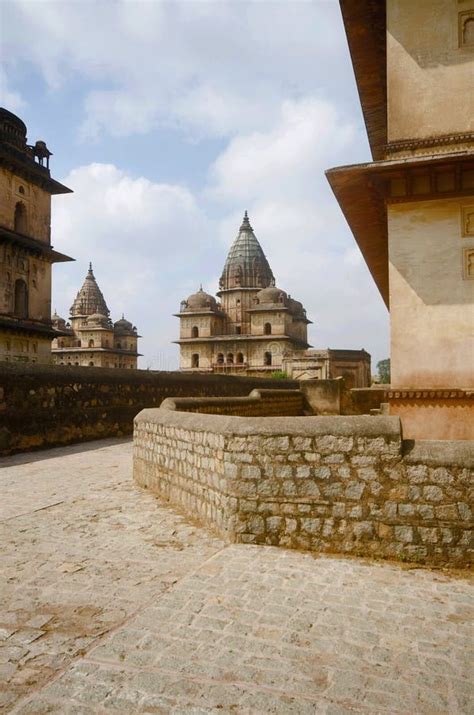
point(89, 299)
point(58, 322)
point(246, 265)
point(271, 295)
point(124, 327)
point(99, 320)
point(199, 301)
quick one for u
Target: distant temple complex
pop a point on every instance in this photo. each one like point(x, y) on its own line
point(90, 338)
point(26, 253)
point(257, 328)
point(253, 326)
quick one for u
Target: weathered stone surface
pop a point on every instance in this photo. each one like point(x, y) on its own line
point(382, 503)
point(141, 612)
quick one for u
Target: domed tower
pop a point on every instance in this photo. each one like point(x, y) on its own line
point(89, 301)
point(246, 271)
point(254, 327)
point(201, 319)
point(26, 253)
point(94, 340)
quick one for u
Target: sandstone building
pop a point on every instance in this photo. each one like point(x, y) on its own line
point(252, 327)
point(411, 210)
point(26, 253)
point(352, 365)
point(90, 338)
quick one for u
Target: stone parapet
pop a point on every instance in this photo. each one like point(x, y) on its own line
point(344, 484)
point(46, 405)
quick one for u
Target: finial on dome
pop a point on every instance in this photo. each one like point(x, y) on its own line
point(123, 316)
point(90, 268)
point(200, 287)
point(245, 222)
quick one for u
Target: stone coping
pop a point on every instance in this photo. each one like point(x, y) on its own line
point(343, 426)
point(439, 453)
point(185, 403)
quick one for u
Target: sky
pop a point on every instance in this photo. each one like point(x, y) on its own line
point(168, 120)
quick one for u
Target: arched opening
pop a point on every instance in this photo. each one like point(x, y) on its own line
point(220, 358)
point(21, 189)
point(267, 329)
point(19, 220)
point(91, 343)
point(119, 345)
point(21, 299)
point(468, 32)
point(91, 364)
point(238, 329)
point(230, 359)
point(76, 364)
point(267, 359)
point(195, 360)
point(195, 332)
point(240, 358)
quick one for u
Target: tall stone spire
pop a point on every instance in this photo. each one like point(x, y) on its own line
point(89, 299)
point(246, 265)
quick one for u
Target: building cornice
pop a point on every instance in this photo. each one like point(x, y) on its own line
point(30, 170)
point(115, 351)
point(364, 190)
point(33, 245)
point(32, 327)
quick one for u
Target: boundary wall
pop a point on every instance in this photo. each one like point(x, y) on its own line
point(45, 405)
point(334, 484)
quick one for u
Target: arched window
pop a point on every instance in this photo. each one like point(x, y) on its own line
point(238, 329)
point(240, 358)
point(21, 299)
point(220, 358)
point(195, 332)
point(267, 329)
point(230, 359)
point(119, 345)
point(76, 364)
point(19, 221)
point(91, 343)
point(195, 360)
point(91, 364)
point(468, 32)
point(267, 359)
point(21, 189)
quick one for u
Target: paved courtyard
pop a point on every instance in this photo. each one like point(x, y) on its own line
point(114, 603)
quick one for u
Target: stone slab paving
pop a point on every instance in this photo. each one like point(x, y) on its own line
point(114, 603)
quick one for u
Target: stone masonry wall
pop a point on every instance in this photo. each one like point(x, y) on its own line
point(337, 484)
point(45, 405)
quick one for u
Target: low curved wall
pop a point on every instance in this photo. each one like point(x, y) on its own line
point(340, 484)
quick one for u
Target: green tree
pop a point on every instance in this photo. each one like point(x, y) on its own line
point(383, 368)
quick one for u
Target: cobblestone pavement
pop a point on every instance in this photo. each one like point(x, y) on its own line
point(115, 603)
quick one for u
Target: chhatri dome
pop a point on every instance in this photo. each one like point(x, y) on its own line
point(254, 326)
point(246, 265)
point(91, 339)
point(89, 300)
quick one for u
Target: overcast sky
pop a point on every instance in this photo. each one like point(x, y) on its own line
point(168, 120)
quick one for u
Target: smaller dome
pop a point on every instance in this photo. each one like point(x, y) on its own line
point(124, 326)
point(57, 320)
point(98, 319)
point(200, 301)
point(296, 307)
point(272, 294)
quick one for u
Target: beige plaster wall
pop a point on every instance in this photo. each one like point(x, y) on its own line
point(22, 348)
point(427, 71)
point(431, 299)
point(37, 203)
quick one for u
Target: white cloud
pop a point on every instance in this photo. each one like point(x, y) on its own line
point(212, 68)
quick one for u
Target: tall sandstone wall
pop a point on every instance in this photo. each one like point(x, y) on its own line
point(336, 484)
point(45, 405)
